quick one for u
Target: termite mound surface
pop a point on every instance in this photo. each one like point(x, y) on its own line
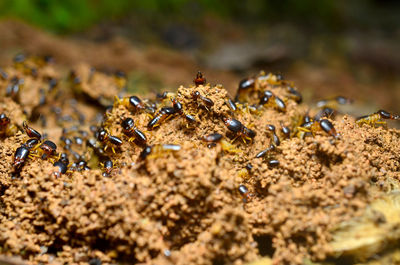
point(174, 198)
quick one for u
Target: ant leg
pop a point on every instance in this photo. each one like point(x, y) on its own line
point(384, 123)
point(303, 129)
point(234, 139)
point(117, 101)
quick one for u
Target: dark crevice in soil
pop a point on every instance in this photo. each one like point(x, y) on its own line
point(264, 244)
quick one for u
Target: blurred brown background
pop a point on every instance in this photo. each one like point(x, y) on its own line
point(327, 47)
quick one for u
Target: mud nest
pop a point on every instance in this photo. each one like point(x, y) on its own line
point(187, 177)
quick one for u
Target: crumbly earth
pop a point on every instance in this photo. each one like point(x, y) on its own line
point(184, 207)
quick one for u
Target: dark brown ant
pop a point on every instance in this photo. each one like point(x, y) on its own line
point(212, 138)
point(275, 137)
point(199, 80)
point(264, 152)
point(273, 163)
point(130, 130)
point(79, 166)
point(285, 130)
point(92, 143)
point(318, 125)
point(145, 152)
point(245, 85)
point(333, 102)
point(31, 143)
point(23, 152)
point(165, 95)
point(133, 103)
point(232, 105)
point(163, 114)
point(53, 82)
point(20, 155)
point(154, 151)
point(3, 74)
point(239, 129)
point(179, 109)
point(108, 166)
point(48, 147)
point(64, 158)
point(62, 168)
point(245, 193)
point(249, 167)
point(295, 94)
point(325, 112)
point(377, 118)
point(45, 150)
point(14, 87)
point(109, 140)
point(207, 103)
point(6, 128)
point(32, 133)
point(268, 99)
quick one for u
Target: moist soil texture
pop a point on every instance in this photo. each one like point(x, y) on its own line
point(173, 197)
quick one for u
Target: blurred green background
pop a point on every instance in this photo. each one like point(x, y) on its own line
point(75, 15)
point(328, 47)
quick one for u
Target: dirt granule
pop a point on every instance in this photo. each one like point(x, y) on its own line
point(183, 207)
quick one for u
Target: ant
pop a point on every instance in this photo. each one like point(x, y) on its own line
point(21, 154)
point(295, 94)
point(12, 90)
point(3, 74)
point(332, 103)
point(200, 79)
point(62, 166)
point(43, 149)
point(179, 109)
point(318, 125)
point(325, 112)
point(275, 137)
point(244, 86)
point(245, 193)
point(133, 103)
point(231, 104)
point(239, 129)
point(79, 166)
point(211, 139)
point(269, 99)
point(165, 95)
point(107, 166)
point(109, 140)
point(265, 153)
point(32, 133)
point(285, 130)
point(6, 128)
point(47, 149)
point(154, 151)
point(376, 118)
point(162, 115)
point(207, 103)
point(130, 130)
